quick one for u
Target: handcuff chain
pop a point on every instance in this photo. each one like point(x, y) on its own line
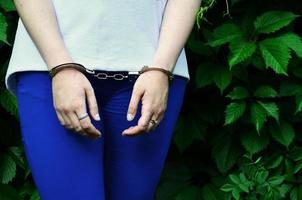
point(102, 75)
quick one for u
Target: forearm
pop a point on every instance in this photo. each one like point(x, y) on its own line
point(39, 19)
point(178, 21)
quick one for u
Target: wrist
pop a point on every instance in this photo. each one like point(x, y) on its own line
point(169, 66)
point(168, 73)
point(57, 59)
point(62, 67)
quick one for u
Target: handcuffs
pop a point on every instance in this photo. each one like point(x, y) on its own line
point(104, 74)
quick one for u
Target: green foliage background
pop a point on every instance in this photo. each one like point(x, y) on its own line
point(239, 132)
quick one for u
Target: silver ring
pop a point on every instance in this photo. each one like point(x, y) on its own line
point(153, 121)
point(83, 116)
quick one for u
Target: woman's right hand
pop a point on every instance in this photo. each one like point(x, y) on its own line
point(70, 88)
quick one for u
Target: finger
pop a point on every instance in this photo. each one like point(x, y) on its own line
point(145, 118)
point(92, 103)
point(67, 120)
point(75, 122)
point(134, 101)
point(142, 123)
point(86, 124)
point(61, 119)
point(133, 131)
point(158, 118)
point(89, 129)
point(152, 126)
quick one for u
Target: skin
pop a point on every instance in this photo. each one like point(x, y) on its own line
point(178, 21)
point(70, 87)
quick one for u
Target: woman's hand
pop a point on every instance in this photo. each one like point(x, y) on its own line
point(152, 88)
point(70, 89)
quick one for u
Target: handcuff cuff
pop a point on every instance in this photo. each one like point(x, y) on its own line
point(105, 74)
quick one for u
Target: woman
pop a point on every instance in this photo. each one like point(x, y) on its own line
point(60, 115)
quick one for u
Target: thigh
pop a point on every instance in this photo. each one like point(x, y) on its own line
point(133, 165)
point(65, 165)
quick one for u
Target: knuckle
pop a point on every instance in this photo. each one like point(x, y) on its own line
point(143, 126)
point(65, 109)
point(86, 126)
point(132, 109)
point(161, 109)
point(136, 93)
point(78, 105)
point(148, 108)
point(93, 107)
point(78, 128)
point(59, 108)
point(90, 89)
point(68, 126)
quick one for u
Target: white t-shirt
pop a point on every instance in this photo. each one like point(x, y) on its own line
point(100, 34)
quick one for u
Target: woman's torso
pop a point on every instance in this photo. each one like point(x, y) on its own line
point(100, 34)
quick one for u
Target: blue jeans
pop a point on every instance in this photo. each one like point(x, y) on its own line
point(68, 166)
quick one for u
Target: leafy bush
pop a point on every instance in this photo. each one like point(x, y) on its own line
point(238, 133)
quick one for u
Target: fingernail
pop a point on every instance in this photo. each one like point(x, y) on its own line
point(97, 117)
point(130, 117)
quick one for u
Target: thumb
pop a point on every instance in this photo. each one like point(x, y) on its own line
point(92, 103)
point(135, 98)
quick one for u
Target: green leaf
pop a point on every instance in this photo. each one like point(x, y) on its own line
point(227, 187)
point(292, 41)
point(238, 93)
point(173, 180)
point(253, 142)
point(283, 133)
point(282, 190)
point(197, 46)
point(234, 178)
point(16, 154)
point(261, 176)
point(274, 161)
point(273, 20)
point(240, 51)
point(222, 78)
point(35, 195)
point(7, 192)
point(236, 193)
point(7, 5)
point(290, 89)
point(298, 167)
point(9, 102)
point(296, 193)
point(258, 116)
point(234, 111)
point(298, 99)
point(224, 34)
point(271, 109)
point(275, 54)
point(276, 180)
point(265, 92)
point(296, 154)
point(225, 154)
point(191, 192)
point(211, 192)
point(187, 130)
point(3, 28)
point(26, 190)
point(7, 169)
point(204, 75)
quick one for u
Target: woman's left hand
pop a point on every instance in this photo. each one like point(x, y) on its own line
point(152, 88)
